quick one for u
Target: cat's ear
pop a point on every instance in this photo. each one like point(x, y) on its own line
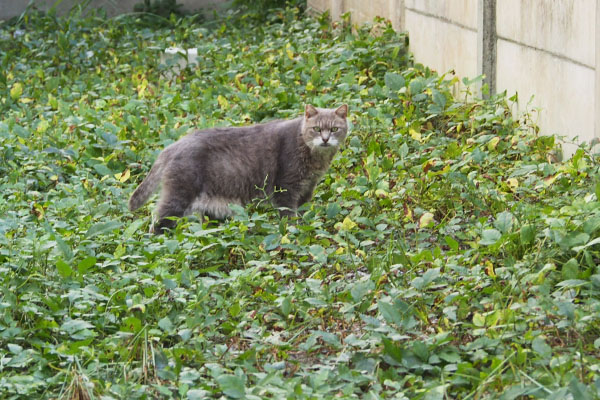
point(310, 111)
point(342, 111)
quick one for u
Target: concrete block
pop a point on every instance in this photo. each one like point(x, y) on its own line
point(564, 91)
point(597, 98)
point(361, 14)
point(463, 12)
point(441, 45)
point(319, 5)
point(11, 8)
point(565, 27)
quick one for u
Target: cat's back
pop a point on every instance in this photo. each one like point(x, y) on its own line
point(234, 151)
point(261, 134)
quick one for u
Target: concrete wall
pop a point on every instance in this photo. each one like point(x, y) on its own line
point(13, 8)
point(443, 34)
point(555, 62)
point(549, 49)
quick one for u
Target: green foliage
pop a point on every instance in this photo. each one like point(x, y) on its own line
point(260, 6)
point(446, 254)
point(163, 8)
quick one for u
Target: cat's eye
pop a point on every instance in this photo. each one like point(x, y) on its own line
point(334, 129)
point(317, 129)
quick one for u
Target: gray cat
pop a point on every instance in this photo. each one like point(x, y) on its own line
point(207, 170)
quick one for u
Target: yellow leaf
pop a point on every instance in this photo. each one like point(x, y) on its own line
point(361, 79)
point(271, 59)
point(408, 213)
point(139, 307)
point(348, 224)
point(513, 183)
point(310, 86)
point(414, 134)
point(478, 320)
point(381, 193)
point(285, 240)
point(26, 100)
point(425, 219)
point(289, 52)
point(42, 126)
point(142, 88)
point(52, 102)
point(16, 91)
point(223, 103)
point(489, 269)
point(549, 180)
point(340, 250)
point(493, 143)
point(124, 176)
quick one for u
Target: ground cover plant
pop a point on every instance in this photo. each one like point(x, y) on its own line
point(447, 253)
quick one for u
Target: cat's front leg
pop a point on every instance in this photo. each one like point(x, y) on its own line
point(287, 203)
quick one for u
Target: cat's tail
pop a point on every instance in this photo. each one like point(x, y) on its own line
point(147, 187)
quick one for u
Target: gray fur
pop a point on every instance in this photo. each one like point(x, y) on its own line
point(207, 170)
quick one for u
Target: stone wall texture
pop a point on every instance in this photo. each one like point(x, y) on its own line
point(546, 51)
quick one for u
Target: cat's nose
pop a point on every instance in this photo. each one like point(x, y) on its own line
point(325, 139)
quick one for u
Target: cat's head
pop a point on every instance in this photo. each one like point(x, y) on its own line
point(324, 129)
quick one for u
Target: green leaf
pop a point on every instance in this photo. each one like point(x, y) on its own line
point(588, 244)
point(527, 234)
point(428, 277)
point(131, 324)
point(478, 320)
point(132, 228)
point(579, 390)
point(416, 86)
point(574, 239)
point(77, 328)
point(286, 306)
point(421, 350)
point(102, 169)
point(333, 209)
point(439, 99)
point(504, 222)
point(232, 386)
point(14, 348)
point(360, 289)
point(540, 346)
point(166, 325)
point(453, 244)
point(329, 338)
point(399, 313)
point(570, 269)
point(102, 227)
point(490, 237)
point(234, 309)
point(392, 350)
point(84, 265)
point(318, 252)
point(394, 81)
point(450, 356)
point(63, 268)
